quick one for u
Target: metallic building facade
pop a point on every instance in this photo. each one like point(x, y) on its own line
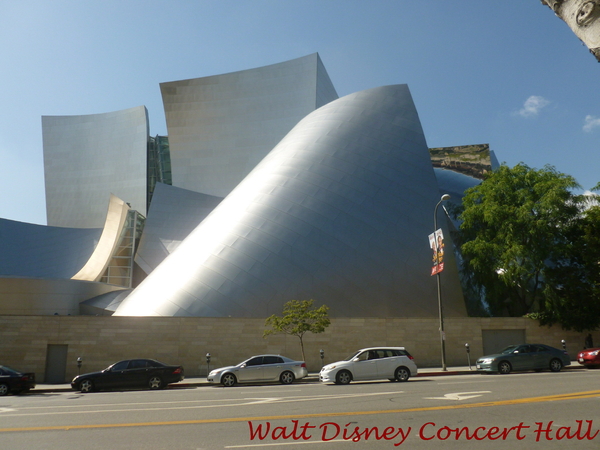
point(280, 190)
point(339, 211)
point(52, 270)
point(173, 215)
point(30, 250)
point(87, 158)
point(220, 127)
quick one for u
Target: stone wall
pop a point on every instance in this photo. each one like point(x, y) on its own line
point(101, 341)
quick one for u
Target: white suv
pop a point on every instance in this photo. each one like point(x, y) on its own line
point(374, 363)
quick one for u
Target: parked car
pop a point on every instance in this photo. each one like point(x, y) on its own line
point(393, 363)
point(590, 357)
point(12, 380)
point(260, 368)
point(524, 357)
point(130, 373)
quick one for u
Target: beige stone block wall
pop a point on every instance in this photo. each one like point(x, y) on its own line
point(101, 341)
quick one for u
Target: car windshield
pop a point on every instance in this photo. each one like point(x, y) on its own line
point(509, 349)
point(9, 370)
point(354, 355)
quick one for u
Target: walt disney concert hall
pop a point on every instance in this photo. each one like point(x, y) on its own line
point(267, 188)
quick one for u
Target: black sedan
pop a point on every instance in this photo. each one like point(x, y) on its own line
point(131, 373)
point(14, 381)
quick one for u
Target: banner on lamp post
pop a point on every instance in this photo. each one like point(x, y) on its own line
point(436, 242)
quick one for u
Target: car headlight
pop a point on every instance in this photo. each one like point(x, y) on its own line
point(486, 361)
point(328, 368)
point(595, 353)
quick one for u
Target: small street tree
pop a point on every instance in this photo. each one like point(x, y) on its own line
point(299, 318)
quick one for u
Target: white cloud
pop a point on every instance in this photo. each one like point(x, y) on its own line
point(591, 122)
point(532, 106)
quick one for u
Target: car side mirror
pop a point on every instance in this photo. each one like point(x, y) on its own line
point(516, 351)
point(355, 359)
point(243, 365)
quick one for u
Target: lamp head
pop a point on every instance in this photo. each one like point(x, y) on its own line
point(445, 197)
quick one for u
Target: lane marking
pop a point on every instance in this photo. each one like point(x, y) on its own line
point(459, 395)
point(547, 398)
point(241, 402)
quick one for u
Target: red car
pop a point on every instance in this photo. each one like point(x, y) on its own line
point(590, 357)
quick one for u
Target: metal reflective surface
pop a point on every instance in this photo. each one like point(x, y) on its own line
point(99, 260)
point(30, 250)
point(173, 215)
point(221, 126)
point(87, 158)
point(339, 211)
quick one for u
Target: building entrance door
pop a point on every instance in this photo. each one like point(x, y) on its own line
point(56, 363)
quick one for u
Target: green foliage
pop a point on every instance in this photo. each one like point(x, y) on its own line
point(522, 231)
point(299, 318)
point(572, 293)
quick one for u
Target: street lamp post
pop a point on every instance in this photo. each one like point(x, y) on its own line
point(439, 289)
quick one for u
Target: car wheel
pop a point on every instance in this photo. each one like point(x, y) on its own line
point(556, 365)
point(402, 374)
point(3, 390)
point(287, 377)
point(86, 386)
point(504, 367)
point(155, 383)
point(228, 380)
point(343, 377)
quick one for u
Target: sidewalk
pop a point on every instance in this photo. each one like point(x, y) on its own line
point(311, 378)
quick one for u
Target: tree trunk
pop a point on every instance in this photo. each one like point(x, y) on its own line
point(302, 347)
point(583, 17)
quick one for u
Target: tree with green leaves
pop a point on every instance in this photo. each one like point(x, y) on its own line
point(572, 292)
point(299, 318)
point(516, 224)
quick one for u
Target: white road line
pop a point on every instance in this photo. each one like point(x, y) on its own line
point(459, 395)
point(247, 402)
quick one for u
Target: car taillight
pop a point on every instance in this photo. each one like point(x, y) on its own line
point(303, 364)
point(410, 357)
point(178, 370)
point(24, 378)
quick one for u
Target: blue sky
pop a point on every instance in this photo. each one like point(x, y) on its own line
point(510, 74)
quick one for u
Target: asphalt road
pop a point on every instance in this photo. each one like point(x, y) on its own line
point(517, 411)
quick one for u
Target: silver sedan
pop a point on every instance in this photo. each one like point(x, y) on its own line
point(260, 368)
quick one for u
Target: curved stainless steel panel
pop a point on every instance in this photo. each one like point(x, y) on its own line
point(30, 250)
point(87, 158)
point(221, 126)
point(173, 215)
point(339, 211)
